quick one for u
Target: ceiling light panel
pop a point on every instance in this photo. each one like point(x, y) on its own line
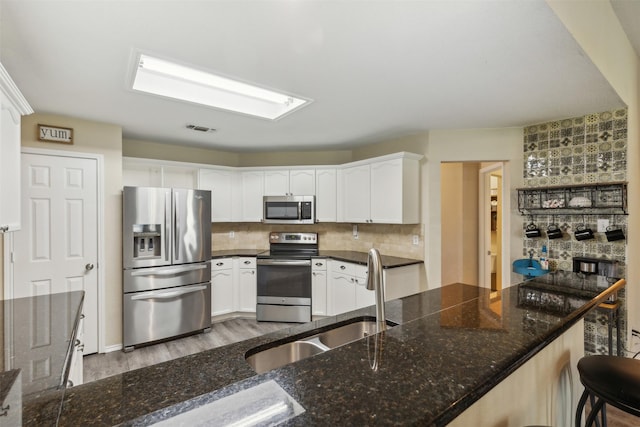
point(170, 79)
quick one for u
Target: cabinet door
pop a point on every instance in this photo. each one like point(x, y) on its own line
point(220, 183)
point(221, 292)
point(245, 270)
point(386, 192)
point(319, 293)
point(356, 196)
point(343, 293)
point(252, 192)
point(302, 182)
point(326, 195)
point(179, 177)
point(9, 166)
point(141, 174)
point(276, 182)
point(364, 297)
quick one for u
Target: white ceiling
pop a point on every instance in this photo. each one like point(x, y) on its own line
point(375, 69)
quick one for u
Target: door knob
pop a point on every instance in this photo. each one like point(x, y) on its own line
point(88, 267)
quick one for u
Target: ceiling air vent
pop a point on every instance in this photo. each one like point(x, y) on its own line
point(200, 128)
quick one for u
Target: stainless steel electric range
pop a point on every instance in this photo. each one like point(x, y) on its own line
point(284, 277)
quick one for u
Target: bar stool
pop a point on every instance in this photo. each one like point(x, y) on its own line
point(608, 379)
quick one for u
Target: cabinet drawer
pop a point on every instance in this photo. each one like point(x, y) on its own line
point(246, 262)
point(342, 267)
point(221, 264)
point(318, 264)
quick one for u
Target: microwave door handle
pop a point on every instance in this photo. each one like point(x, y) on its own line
point(166, 294)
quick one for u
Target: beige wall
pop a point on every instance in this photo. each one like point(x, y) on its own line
point(460, 222)
point(179, 153)
point(104, 139)
point(596, 28)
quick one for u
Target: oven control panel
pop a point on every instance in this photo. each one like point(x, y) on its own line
point(295, 238)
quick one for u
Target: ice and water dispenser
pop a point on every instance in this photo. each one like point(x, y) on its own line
point(147, 241)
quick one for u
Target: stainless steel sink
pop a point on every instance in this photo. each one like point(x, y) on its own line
point(310, 345)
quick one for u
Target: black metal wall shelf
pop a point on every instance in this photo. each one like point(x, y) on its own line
point(586, 199)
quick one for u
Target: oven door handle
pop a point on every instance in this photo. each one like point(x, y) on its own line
point(165, 294)
point(285, 262)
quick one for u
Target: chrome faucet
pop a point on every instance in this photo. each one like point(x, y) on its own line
point(375, 283)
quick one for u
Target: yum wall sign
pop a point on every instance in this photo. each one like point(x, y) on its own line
point(55, 134)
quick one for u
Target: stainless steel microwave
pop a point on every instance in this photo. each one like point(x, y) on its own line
point(289, 209)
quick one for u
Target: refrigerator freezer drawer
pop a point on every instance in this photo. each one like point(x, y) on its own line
point(146, 279)
point(165, 313)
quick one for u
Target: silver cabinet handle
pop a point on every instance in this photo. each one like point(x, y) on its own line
point(247, 262)
point(313, 274)
point(163, 271)
point(77, 342)
point(319, 264)
point(89, 267)
point(4, 229)
point(219, 264)
point(69, 383)
point(342, 267)
point(5, 410)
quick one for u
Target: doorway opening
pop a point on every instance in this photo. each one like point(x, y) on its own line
point(472, 223)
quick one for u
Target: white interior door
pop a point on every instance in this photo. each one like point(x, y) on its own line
point(57, 248)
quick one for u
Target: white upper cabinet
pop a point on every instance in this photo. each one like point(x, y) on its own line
point(252, 192)
point(384, 190)
point(222, 184)
point(294, 182)
point(158, 173)
point(13, 107)
point(355, 194)
point(326, 195)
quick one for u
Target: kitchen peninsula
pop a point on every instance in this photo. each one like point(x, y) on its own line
point(453, 347)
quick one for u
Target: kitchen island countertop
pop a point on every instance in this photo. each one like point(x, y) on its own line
point(448, 350)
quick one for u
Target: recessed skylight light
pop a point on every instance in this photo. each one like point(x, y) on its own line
point(165, 78)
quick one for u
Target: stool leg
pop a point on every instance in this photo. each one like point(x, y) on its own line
point(581, 403)
point(592, 400)
point(593, 416)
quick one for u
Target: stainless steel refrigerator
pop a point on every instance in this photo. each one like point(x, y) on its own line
point(166, 244)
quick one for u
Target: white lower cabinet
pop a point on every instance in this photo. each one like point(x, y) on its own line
point(246, 284)
point(318, 287)
point(222, 289)
point(347, 287)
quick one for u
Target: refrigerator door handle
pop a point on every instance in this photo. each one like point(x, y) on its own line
point(166, 294)
point(164, 271)
point(167, 227)
point(177, 236)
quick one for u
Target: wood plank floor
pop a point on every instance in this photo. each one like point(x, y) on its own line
point(98, 366)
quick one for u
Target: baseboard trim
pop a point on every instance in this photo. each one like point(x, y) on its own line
point(112, 348)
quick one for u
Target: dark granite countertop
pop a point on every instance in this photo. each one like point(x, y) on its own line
point(347, 256)
point(449, 349)
point(39, 337)
point(235, 252)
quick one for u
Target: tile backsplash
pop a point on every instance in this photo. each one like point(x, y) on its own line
point(389, 239)
point(581, 150)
